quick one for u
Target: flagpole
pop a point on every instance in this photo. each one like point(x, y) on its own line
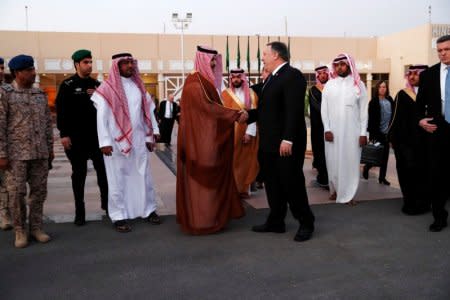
point(258, 56)
point(248, 58)
point(289, 49)
point(238, 62)
point(228, 63)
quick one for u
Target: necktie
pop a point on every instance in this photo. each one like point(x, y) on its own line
point(447, 96)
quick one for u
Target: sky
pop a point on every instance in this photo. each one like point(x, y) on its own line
point(327, 18)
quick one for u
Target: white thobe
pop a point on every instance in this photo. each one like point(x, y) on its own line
point(251, 128)
point(344, 113)
point(130, 186)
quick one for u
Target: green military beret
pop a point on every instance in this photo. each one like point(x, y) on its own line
point(81, 54)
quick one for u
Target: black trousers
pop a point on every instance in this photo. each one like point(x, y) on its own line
point(383, 167)
point(438, 166)
point(165, 128)
point(321, 165)
point(78, 157)
point(285, 184)
point(319, 160)
point(409, 164)
point(260, 175)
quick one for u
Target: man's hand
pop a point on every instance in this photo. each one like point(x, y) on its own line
point(427, 126)
point(243, 116)
point(246, 139)
point(4, 163)
point(156, 137)
point(66, 142)
point(285, 149)
point(107, 150)
point(150, 146)
point(90, 91)
point(329, 136)
point(362, 140)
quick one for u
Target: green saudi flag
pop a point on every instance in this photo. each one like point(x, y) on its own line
point(238, 56)
point(227, 59)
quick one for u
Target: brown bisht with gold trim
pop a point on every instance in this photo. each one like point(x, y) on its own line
point(245, 158)
point(207, 197)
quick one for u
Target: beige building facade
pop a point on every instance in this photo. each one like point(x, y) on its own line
point(161, 67)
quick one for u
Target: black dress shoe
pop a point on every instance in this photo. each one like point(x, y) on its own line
point(154, 219)
point(384, 181)
point(269, 228)
point(438, 226)
point(303, 234)
point(365, 172)
point(79, 221)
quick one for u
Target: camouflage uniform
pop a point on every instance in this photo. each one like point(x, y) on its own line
point(4, 206)
point(26, 140)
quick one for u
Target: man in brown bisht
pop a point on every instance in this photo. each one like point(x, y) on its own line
point(207, 196)
point(245, 160)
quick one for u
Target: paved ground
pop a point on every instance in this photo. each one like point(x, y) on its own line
point(370, 251)
point(59, 206)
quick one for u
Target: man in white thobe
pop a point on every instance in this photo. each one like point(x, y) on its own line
point(126, 131)
point(344, 113)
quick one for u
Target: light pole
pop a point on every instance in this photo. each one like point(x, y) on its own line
point(182, 23)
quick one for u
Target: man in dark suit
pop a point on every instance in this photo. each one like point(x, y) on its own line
point(167, 114)
point(433, 108)
point(283, 143)
point(257, 88)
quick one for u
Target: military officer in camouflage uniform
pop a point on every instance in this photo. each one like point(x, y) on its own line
point(26, 148)
point(5, 217)
point(77, 124)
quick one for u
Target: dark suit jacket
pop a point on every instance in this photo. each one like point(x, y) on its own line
point(162, 110)
point(429, 98)
point(280, 112)
point(76, 113)
point(375, 118)
point(257, 88)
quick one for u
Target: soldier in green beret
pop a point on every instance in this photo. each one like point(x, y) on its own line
point(77, 124)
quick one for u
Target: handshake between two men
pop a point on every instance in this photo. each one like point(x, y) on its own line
point(285, 146)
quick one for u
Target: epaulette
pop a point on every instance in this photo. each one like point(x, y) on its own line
point(7, 87)
point(37, 91)
point(68, 82)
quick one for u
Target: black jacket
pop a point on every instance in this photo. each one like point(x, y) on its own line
point(76, 113)
point(429, 103)
point(162, 110)
point(280, 112)
point(404, 128)
point(375, 118)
